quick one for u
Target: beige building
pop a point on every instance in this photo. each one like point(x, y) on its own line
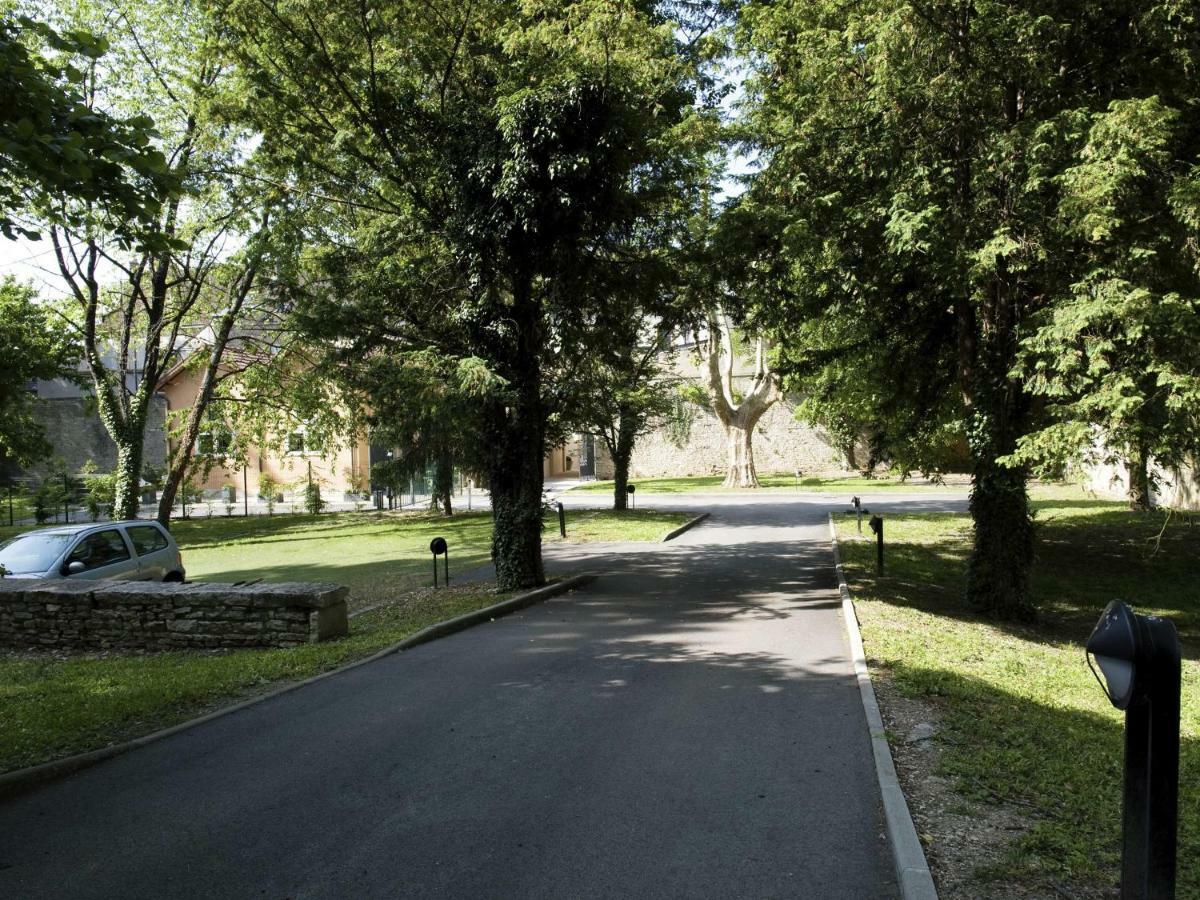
point(339, 473)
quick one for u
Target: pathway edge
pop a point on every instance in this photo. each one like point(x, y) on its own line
point(20, 780)
point(689, 524)
point(912, 869)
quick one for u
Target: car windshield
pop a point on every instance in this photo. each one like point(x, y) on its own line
point(27, 554)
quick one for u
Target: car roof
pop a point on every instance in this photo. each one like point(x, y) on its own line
point(82, 527)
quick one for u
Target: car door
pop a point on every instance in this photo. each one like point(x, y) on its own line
point(103, 554)
point(153, 551)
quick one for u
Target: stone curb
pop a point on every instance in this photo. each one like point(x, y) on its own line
point(691, 523)
point(912, 869)
point(21, 780)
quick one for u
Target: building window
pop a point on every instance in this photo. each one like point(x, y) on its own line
point(215, 443)
point(299, 442)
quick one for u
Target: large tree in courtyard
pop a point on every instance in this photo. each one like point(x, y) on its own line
point(915, 156)
point(489, 160)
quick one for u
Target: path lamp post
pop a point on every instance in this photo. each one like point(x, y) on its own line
point(876, 524)
point(438, 547)
point(1139, 658)
point(631, 490)
point(858, 511)
point(562, 521)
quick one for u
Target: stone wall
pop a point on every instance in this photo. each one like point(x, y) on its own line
point(1173, 488)
point(75, 432)
point(142, 615)
point(781, 444)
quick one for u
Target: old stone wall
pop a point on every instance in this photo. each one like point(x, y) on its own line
point(695, 444)
point(140, 615)
point(76, 434)
point(699, 447)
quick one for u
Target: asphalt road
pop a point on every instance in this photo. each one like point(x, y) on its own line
point(687, 726)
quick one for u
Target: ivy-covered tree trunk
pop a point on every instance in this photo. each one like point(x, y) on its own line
point(998, 571)
point(621, 451)
point(516, 459)
point(127, 480)
point(443, 483)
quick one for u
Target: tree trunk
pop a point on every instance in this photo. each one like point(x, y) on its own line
point(621, 453)
point(517, 451)
point(1140, 494)
point(740, 419)
point(739, 436)
point(127, 480)
point(998, 571)
point(443, 484)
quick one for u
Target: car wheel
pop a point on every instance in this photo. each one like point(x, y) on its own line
point(176, 577)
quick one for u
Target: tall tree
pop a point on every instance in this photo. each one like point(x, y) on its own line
point(488, 159)
point(739, 412)
point(1117, 358)
point(197, 259)
point(914, 157)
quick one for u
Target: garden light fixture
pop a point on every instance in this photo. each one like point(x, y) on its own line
point(1138, 657)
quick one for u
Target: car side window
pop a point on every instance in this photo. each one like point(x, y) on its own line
point(146, 538)
point(101, 548)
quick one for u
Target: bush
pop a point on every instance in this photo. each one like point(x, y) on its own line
point(268, 490)
point(313, 501)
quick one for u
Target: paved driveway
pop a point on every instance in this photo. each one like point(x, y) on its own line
point(687, 726)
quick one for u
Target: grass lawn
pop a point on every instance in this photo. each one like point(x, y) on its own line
point(56, 705)
point(1022, 720)
point(776, 482)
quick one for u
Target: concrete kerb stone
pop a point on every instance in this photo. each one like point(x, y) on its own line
point(912, 869)
point(691, 523)
point(21, 780)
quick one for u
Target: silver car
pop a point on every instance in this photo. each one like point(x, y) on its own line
point(136, 550)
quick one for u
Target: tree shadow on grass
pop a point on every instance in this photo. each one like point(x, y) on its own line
point(1062, 765)
point(1081, 565)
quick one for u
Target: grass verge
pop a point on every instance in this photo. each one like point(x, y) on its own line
point(1023, 721)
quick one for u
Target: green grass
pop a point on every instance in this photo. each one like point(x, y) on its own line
point(776, 482)
point(586, 525)
point(379, 556)
point(55, 705)
point(1023, 720)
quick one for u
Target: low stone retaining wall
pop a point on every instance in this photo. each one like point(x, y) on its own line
point(143, 615)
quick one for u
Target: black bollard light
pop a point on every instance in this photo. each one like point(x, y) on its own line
point(858, 511)
point(631, 490)
point(876, 524)
point(562, 521)
point(1139, 658)
point(438, 546)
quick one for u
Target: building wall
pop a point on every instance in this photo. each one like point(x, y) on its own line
point(334, 471)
